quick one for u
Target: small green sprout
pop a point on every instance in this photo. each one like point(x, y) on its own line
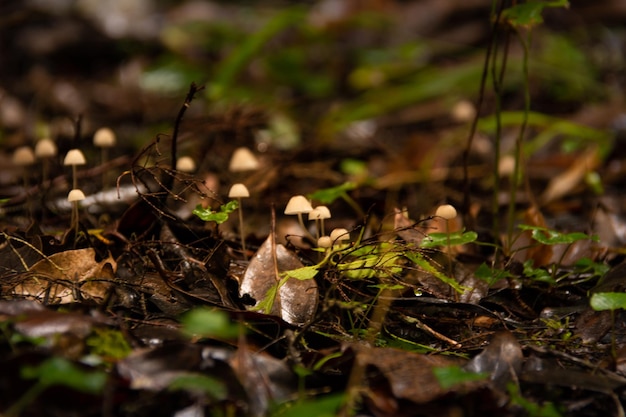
point(220, 216)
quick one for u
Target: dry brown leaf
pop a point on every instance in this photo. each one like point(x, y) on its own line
point(564, 183)
point(501, 359)
point(66, 277)
point(409, 375)
point(295, 301)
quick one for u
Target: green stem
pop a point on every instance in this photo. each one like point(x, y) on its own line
point(518, 143)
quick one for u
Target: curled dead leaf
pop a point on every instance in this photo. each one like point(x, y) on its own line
point(294, 300)
point(66, 277)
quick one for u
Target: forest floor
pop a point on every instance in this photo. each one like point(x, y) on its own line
point(461, 246)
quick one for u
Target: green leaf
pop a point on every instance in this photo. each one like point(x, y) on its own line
point(538, 274)
point(60, 371)
point(218, 217)
point(323, 406)
point(601, 301)
point(304, 273)
point(434, 240)
point(372, 265)
point(422, 262)
point(529, 13)
point(108, 343)
point(234, 64)
point(207, 322)
point(552, 237)
point(490, 275)
point(450, 376)
point(200, 383)
point(328, 195)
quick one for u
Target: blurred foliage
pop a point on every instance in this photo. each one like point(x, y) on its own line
point(329, 76)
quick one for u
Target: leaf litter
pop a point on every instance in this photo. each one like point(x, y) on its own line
point(146, 308)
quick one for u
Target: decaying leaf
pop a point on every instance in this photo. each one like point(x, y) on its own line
point(501, 359)
point(266, 380)
point(292, 299)
point(67, 277)
point(573, 176)
point(396, 376)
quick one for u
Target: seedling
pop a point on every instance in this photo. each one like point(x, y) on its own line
point(220, 216)
point(602, 301)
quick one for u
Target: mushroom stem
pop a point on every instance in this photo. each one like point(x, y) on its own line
point(75, 216)
point(306, 231)
point(241, 232)
point(74, 179)
point(104, 156)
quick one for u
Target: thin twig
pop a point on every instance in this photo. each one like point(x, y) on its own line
point(169, 181)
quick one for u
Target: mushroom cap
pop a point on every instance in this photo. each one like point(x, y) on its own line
point(298, 204)
point(324, 242)
point(104, 138)
point(238, 191)
point(243, 160)
point(23, 156)
point(74, 157)
point(339, 234)
point(45, 148)
point(446, 211)
point(319, 213)
point(186, 164)
point(463, 111)
point(75, 195)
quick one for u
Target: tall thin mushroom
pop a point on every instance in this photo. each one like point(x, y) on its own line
point(240, 191)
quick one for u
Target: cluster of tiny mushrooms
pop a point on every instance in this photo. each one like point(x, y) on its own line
point(242, 160)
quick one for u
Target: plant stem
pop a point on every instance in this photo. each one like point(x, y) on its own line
point(168, 182)
point(518, 142)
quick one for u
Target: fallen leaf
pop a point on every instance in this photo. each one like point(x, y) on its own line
point(565, 182)
point(501, 359)
point(292, 299)
point(66, 277)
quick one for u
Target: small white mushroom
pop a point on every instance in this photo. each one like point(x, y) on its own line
point(243, 160)
point(339, 235)
point(299, 205)
point(324, 242)
point(319, 214)
point(104, 138)
point(74, 158)
point(186, 164)
point(446, 212)
point(23, 156)
point(74, 196)
point(45, 150)
point(240, 191)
